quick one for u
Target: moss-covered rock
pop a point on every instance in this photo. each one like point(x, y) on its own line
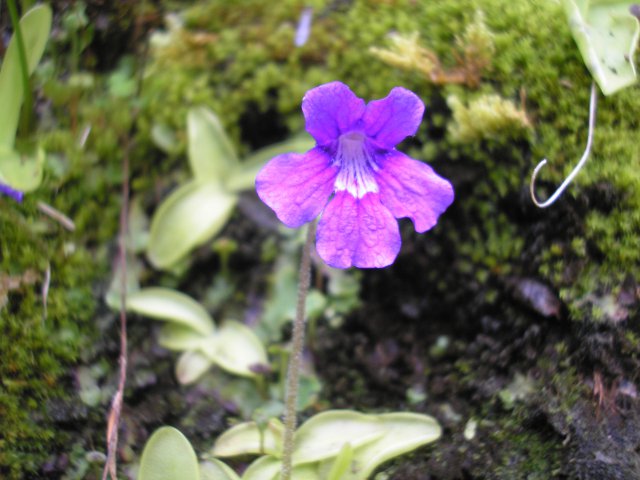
point(534, 64)
point(45, 324)
point(527, 99)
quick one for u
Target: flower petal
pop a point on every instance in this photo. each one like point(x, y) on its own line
point(390, 120)
point(330, 110)
point(11, 192)
point(297, 186)
point(357, 232)
point(409, 188)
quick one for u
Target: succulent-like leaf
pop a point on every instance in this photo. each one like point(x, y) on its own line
point(404, 432)
point(180, 338)
point(21, 171)
point(248, 438)
point(237, 349)
point(191, 366)
point(263, 468)
point(168, 455)
point(268, 468)
point(306, 472)
point(173, 306)
point(607, 35)
point(211, 154)
point(191, 215)
point(216, 470)
point(324, 435)
point(164, 138)
point(338, 467)
point(35, 25)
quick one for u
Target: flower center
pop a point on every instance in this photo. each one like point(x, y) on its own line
point(356, 165)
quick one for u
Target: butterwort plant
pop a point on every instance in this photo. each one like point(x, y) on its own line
point(358, 184)
point(355, 178)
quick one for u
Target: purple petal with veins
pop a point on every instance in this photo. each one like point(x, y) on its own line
point(390, 120)
point(358, 232)
point(409, 188)
point(297, 186)
point(331, 110)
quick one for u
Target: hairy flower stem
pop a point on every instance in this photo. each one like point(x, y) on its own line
point(295, 359)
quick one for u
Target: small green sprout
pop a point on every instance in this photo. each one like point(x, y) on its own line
point(333, 445)
point(199, 209)
point(191, 330)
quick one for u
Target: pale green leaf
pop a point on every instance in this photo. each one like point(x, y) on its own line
point(164, 138)
point(340, 466)
point(216, 470)
point(237, 349)
point(173, 306)
point(244, 176)
point(403, 432)
point(211, 154)
point(268, 468)
point(21, 171)
point(191, 366)
point(264, 468)
point(248, 438)
point(325, 434)
point(190, 216)
point(180, 338)
point(306, 472)
point(607, 36)
point(35, 25)
point(168, 455)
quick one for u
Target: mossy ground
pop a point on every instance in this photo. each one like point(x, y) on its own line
point(45, 330)
point(498, 290)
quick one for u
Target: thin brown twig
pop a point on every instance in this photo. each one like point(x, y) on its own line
point(57, 215)
point(113, 423)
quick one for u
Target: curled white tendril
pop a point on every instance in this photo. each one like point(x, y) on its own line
point(583, 159)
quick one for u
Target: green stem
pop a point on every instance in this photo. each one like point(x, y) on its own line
point(25, 119)
point(295, 359)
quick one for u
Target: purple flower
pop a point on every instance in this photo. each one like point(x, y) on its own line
point(11, 192)
point(355, 160)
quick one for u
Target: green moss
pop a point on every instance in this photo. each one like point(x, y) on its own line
point(36, 349)
point(529, 455)
point(39, 348)
point(486, 117)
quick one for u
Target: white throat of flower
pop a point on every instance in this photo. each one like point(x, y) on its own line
point(356, 165)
